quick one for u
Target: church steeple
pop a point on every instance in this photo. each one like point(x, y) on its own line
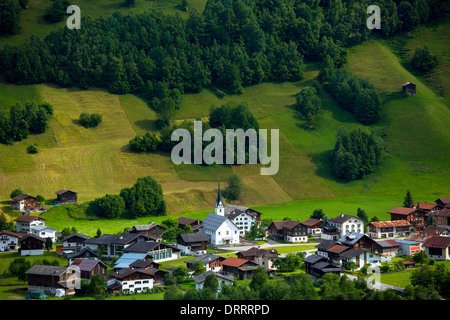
point(220, 210)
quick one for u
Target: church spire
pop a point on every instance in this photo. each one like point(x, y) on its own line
point(219, 204)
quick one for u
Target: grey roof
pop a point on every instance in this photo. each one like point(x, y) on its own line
point(326, 244)
point(351, 253)
point(107, 239)
point(342, 218)
point(82, 252)
point(350, 238)
point(202, 277)
point(314, 258)
point(46, 270)
point(82, 236)
point(128, 258)
point(86, 264)
point(213, 221)
point(147, 246)
point(194, 237)
point(206, 258)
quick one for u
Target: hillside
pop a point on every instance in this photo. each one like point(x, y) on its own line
point(97, 161)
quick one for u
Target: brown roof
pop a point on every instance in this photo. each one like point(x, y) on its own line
point(424, 205)
point(443, 200)
point(311, 222)
point(390, 224)
point(288, 224)
point(27, 218)
point(256, 252)
point(186, 220)
point(62, 191)
point(30, 235)
point(437, 242)
point(234, 262)
point(433, 231)
point(402, 210)
point(337, 248)
point(10, 233)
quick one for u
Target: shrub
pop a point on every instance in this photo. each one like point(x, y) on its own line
point(423, 60)
point(32, 149)
point(90, 120)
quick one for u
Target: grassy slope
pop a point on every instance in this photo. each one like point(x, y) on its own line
point(97, 161)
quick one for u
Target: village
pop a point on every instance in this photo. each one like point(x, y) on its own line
point(131, 262)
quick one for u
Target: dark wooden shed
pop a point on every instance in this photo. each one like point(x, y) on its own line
point(409, 87)
point(65, 196)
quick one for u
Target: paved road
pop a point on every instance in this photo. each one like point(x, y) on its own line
point(379, 285)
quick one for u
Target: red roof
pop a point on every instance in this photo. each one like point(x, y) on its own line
point(27, 218)
point(402, 210)
point(10, 233)
point(424, 205)
point(337, 248)
point(233, 262)
point(437, 242)
point(390, 224)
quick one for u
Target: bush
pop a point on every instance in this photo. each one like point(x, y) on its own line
point(423, 60)
point(32, 149)
point(90, 120)
point(146, 143)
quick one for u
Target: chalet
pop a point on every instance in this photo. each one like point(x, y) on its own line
point(152, 230)
point(8, 240)
point(317, 266)
point(25, 222)
point(313, 226)
point(386, 249)
point(210, 261)
point(114, 244)
point(131, 280)
point(192, 243)
point(240, 268)
point(159, 251)
point(414, 216)
point(388, 229)
point(324, 245)
point(89, 268)
point(145, 264)
point(288, 230)
point(334, 252)
point(442, 217)
point(220, 230)
point(425, 206)
point(31, 245)
point(44, 232)
point(407, 247)
point(262, 257)
point(408, 88)
point(437, 247)
point(85, 253)
point(65, 196)
point(223, 280)
point(24, 203)
point(346, 223)
point(442, 203)
point(330, 233)
point(48, 279)
point(435, 231)
point(74, 242)
point(183, 222)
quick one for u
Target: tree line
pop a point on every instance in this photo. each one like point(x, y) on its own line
point(232, 44)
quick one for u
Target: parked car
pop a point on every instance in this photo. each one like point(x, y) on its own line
point(36, 295)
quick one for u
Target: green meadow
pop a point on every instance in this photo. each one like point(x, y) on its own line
point(95, 162)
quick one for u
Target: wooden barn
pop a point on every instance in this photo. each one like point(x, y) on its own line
point(409, 88)
point(65, 196)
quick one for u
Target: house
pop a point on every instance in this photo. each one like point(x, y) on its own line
point(8, 240)
point(44, 232)
point(313, 226)
point(288, 230)
point(85, 253)
point(131, 280)
point(407, 247)
point(408, 88)
point(24, 203)
point(159, 251)
point(220, 230)
point(25, 222)
point(346, 223)
point(442, 218)
point(330, 233)
point(414, 216)
point(192, 243)
point(74, 242)
point(240, 268)
point(114, 244)
point(262, 257)
point(223, 280)
point(386, 249)
point(317, 266)
point(425, 206)
point(49, 279)
point(152, 230)
point(183, 222)
point(388, 229)
point(437, 247)
point(31, 245)
point(88, 267)
point(210, 261)
point(324, 245)
point(442, 203)
point(435, 231)
point(65, 196)
point(127, 259)
point(243, 217)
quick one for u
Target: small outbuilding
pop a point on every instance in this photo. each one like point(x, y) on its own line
point(409, 88)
